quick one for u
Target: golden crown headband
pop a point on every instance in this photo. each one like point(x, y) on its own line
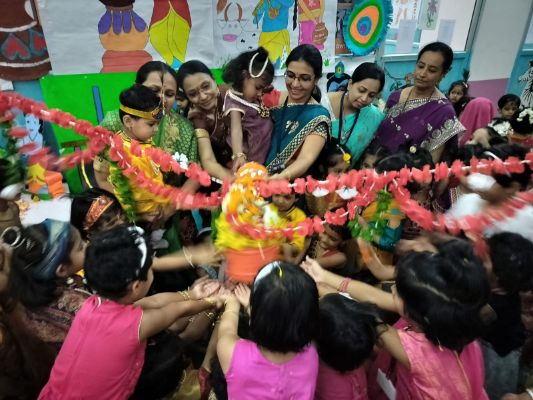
point(98, 207)
point(155, 114)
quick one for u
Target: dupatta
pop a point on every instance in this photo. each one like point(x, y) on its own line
point(292, 124)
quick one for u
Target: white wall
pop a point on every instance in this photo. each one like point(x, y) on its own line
point(498, 39)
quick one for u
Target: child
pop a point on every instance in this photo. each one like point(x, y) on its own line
point(94, 211)
point(440, 296)
point(521, 131)
point(326, 247)
point(250, 75)
point(284, 206)
point(182, 102)
point(508, 104)
point(140, 112)
point(510, 265)
point(373, 153)
point(387, 235)
point(104, 351)
point(279, 362)
point(458, 96)
point(477, 114)
point(334, 159)
point(346, 338)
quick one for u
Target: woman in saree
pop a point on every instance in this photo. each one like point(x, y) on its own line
point(354, 118)
point(175, 135)
point(206, 99)
point(301, 125)
point(421, 115)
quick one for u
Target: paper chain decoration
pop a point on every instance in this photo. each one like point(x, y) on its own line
point(366, 182)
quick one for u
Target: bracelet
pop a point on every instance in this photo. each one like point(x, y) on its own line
point(210, 314)
point(210, 301)
point(238, 155)
point(232, 311)
point(530, 392)
point(188, 256)
point(343, 286)
point(185, 295)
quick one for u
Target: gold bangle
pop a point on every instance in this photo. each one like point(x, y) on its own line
point(210, 301)
point(201, 134)
point(238, 155)
point(185, 295)
point(232, 311)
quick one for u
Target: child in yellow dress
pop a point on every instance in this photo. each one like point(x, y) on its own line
point(140, 113)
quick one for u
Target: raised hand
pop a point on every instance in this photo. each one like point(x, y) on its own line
point(205, 254)
point(204, 287)
point(313, 269)
point(243, 292)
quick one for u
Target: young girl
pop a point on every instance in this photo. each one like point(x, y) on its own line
point(140, 112)
point(326, 247)
point(104, 351)
point(250, 75)
point(440, 296)
point(334, 159)
point(385, 239)
point(284, 206)
point(458, 96)
point(279, 362)
point(43, 293)
point(372, 154)
point(346, 338)
point(521, 131)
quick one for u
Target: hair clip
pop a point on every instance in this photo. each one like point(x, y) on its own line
point(345, 155)
point(250, 69)
point(412, 149)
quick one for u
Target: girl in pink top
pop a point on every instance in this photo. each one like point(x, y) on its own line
point(346, 337)
point(103, 353)
point(279, 362)
point(440, 292)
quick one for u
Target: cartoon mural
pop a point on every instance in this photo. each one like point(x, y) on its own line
point(40, 182)
point(526, 97)
point(312, 28)
point(169, 30)
point(124, 35)
point(274, 34)
point(23, 51)
point(229, 19)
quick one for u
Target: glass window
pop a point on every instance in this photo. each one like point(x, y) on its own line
point(462, 11)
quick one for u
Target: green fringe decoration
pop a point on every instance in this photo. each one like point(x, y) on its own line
point(377, 225)
point(122, 189)
point(13, 173)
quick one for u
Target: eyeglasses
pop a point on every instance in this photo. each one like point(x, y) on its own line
point(204, 88)
point(303, 79)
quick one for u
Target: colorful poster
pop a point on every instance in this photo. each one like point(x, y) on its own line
point(121, 35)
point(404, 9)
point(429, 15)
point(276, 25)
point(23, 51)
point(344, 7)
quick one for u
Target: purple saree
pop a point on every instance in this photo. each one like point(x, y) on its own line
point(419, 122)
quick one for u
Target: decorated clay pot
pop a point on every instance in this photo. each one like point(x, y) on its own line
point(243, 265)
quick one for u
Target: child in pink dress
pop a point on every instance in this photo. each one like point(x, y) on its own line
point(346, 337)
point(250, 75)
point(103, 353)
point(280, 361)
point(440, 292)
